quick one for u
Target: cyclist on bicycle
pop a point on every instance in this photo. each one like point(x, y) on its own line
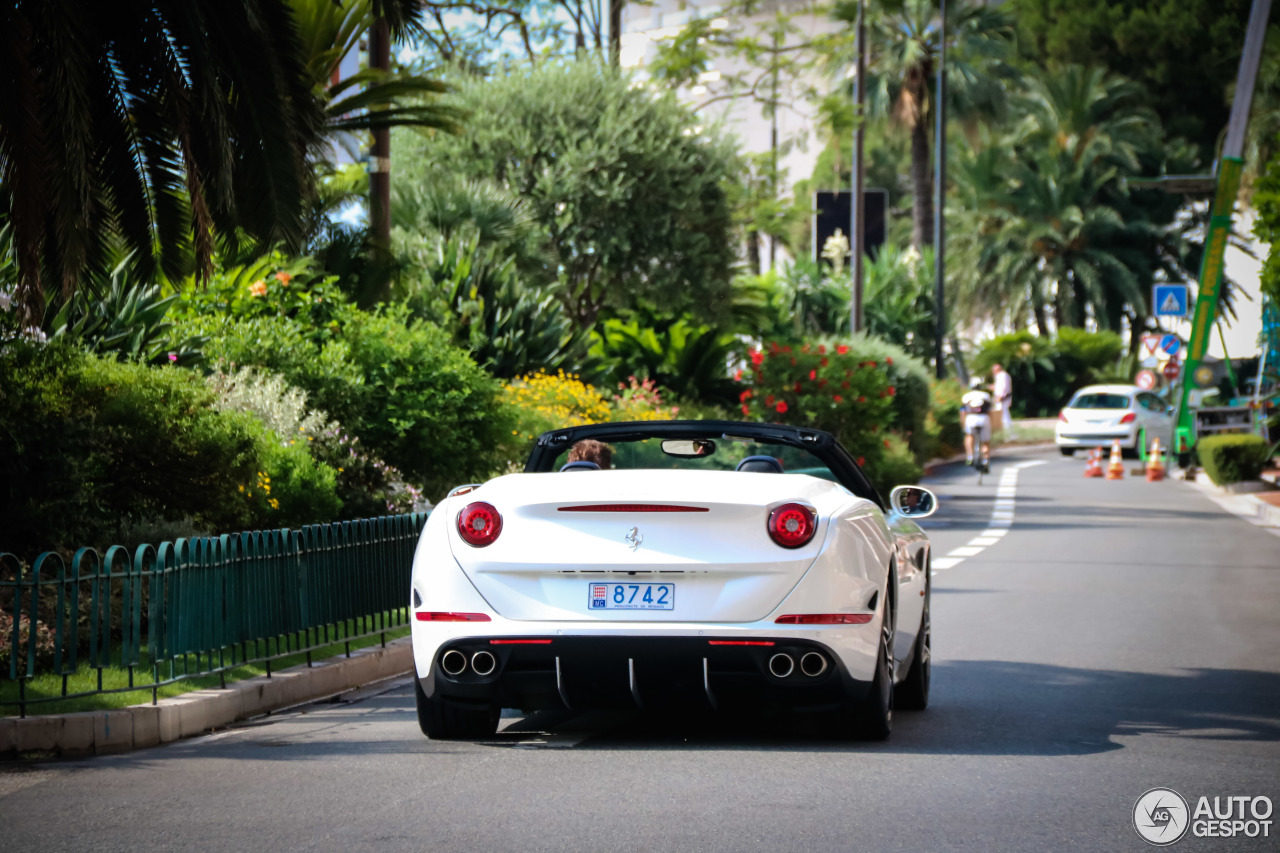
point(976, 406)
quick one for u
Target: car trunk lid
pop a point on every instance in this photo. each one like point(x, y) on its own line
point(702, 533)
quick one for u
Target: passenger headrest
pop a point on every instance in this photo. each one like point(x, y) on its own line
point(760, 465)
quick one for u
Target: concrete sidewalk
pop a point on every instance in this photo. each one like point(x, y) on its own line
point(1259, 508)
point(141, 726)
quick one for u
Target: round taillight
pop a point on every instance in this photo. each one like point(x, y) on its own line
point(792, 525)
point(479, 524)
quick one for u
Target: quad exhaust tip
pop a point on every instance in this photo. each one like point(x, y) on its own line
point(781, 665)
point(483, 663)
point(813, 664)
point(454, 662)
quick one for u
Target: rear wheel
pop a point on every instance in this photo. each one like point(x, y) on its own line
point(1067, 451)
point(439, 720)
point(1139, 449)
point(875, 716)
point(913, 693)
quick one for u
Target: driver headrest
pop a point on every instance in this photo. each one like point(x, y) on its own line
point(760, 465)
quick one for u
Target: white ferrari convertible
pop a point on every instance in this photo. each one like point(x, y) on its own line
point(732, 565)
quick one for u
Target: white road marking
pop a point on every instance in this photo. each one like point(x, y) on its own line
point(1002, 513)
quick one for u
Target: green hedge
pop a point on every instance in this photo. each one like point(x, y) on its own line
point(89, 445)
point(1233, 458)
point(412, 398)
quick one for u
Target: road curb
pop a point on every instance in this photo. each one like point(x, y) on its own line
point(143, 726)
point(1246, 505)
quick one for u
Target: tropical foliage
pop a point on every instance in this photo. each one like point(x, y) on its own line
point(905, 42)
point(1047, 371)
point(629, 195)
point(1047, 228)
point(121, 122)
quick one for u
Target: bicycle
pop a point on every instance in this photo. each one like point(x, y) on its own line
point(978, 464)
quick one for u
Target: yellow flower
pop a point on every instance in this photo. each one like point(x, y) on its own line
point(259, 288)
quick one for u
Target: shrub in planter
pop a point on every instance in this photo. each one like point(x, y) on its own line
point(412, 397)
point(86, 441)
point(1233, 458)
point(292, 489)
point(910, 377)
point(365, 485)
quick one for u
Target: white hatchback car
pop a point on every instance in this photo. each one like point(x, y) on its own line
point(1098, 415)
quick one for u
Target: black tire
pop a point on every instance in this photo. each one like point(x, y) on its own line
point(913, 693)
point(875, 714)
point(440, 720)
point(1067, 451)
point(1138, 449)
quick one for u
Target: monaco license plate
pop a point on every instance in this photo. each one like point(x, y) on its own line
point(631, 596)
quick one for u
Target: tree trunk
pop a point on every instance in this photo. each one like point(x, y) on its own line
point(921, 186)
point(753, 251)
point(1042, 321)
point(378, 289)
point(615, 31)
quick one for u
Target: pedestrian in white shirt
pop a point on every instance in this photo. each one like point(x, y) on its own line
point(1002, 391)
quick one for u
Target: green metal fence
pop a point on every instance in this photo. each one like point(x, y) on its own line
point(198, 607)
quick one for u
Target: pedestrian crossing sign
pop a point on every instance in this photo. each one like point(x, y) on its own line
point(1170, 300)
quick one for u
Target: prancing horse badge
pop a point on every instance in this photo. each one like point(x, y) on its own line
point(634, 538)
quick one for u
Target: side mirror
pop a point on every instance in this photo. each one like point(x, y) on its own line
point(913, 501)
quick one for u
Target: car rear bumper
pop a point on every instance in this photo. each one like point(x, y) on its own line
point(580, 672)
point(1098, 437)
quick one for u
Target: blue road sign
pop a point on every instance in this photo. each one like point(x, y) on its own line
point(1170, 344)
point(1170, 300)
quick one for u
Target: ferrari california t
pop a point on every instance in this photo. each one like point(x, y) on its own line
point(728, 565)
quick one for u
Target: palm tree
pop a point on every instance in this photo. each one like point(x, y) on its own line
point(371, 98)
point(160, 124)
point(1050, 228)
point(904, 40)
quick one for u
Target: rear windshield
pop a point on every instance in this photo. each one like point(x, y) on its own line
point(1100, 401)
point(726, 456)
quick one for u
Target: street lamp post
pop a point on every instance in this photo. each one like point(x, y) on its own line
point(940, 192)
point(857, 209)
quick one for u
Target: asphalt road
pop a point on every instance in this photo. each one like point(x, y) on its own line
point(1115, 637)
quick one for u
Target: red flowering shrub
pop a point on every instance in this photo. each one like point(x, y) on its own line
point(830, 387)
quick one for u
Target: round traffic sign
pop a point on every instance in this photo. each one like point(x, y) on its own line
point(1171, 344)
point(1171, 370)
point(1204, 376)
point(1146, 380)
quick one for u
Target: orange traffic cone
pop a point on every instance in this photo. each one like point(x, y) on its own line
point(1115, 468)
point(1155, 465)
point(1094, 466)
